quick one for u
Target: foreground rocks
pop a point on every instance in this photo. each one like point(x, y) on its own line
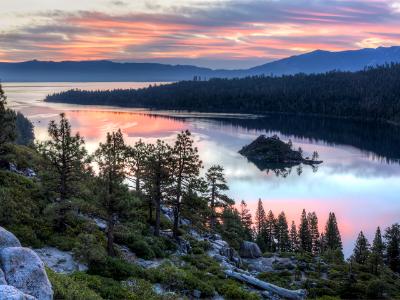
point(249, 250)
point(22, 275)
point(60, 261)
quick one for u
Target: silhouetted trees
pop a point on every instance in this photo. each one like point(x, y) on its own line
point(373, 93)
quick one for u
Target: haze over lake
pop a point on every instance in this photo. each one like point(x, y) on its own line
point(359, 179)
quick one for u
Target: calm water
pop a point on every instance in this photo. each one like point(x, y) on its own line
point(359, 179)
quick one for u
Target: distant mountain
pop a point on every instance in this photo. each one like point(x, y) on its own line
point(314, 62)
point(322, 61)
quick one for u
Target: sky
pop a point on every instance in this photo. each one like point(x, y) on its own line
point(211, 33)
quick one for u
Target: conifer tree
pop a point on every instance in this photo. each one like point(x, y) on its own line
point(392, 245)
point(282, 233)
point(361, 250)
point(270, 232)
point(186, 167)
point(110, 157)
point(377, 251)
point(136, 160)
point(260, 228)
point(216, 187)
point(332, 234)
point(158, 177)
point(68, 157)
point(7, 121)
point(231, 226)
point(246, 219)
point(304, 233)
point(314, 232)
point(293, 238)
point(260, 217)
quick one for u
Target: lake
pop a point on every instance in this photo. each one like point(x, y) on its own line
point(359, 179)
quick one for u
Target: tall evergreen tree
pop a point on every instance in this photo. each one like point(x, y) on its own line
point(7, 121)
point(260, 217)
point(68, 157)
point(136, 160)
point(216, 187)
point(377, 251)
point(314, 232)
point(231, 226)
point(110, 157)
point(304, 233)
point(293, 238)
point(282, 233)
point(332, 234)
point(392, 245)
point(270, 232)
point(158, 176)
point(246, 219)
point(187, 165)
point(361, 250)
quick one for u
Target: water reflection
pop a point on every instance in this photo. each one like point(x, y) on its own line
point(359, 179)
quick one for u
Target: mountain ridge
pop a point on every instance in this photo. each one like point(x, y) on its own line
point(318, 61)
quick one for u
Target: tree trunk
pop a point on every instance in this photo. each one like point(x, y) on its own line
point(176, 220)
point(110, 236)
point(150, 211)
point(212, 219)
point(158, 215)
point(284, 293)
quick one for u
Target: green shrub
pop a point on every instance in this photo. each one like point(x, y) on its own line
point(66, 288)
point(90, 248)
point(107, 288)
point(114, 268)
point(231, 290)
point(376, 289)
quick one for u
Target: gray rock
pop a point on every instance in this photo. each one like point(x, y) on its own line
point(59, 261)
point(2, 278)
point(7, 239)
point(196, 294)
point(25, 271)
point(249, 250)
point(8, 292)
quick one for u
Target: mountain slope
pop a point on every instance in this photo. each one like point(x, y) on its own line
point(314, 62)
point(322, 61)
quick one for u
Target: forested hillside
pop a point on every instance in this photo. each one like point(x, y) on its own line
point(150, 225)
point(372, 94)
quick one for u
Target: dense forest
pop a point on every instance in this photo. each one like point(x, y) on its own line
point(154, 200)
point(371, 94)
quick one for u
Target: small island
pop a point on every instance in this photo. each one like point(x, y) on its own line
point(269, 152)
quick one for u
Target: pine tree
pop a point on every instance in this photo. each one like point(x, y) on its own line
point(68, 157)
point(110, 157)
point(304, 233)
point(377, 251)
point(332, 234)
point(186, 167)
point(136, 161)
point(282, 233)
point(231, 226)
point(270, 232)
point(260, 220)
point(361, 250)
point(392, 245)
point(158, 177)
point(260, 217)
point(293, 238)
point(7, 121)
point(314, 232)
point(246, 219)
point(216, 187)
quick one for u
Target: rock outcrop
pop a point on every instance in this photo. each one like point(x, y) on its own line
point(249, 250)
point(60, 261)
point(22, 275)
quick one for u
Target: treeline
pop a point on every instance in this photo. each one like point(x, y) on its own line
point(162, 174)
point(14, 127)
point(371, 94)
point(273, 234)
